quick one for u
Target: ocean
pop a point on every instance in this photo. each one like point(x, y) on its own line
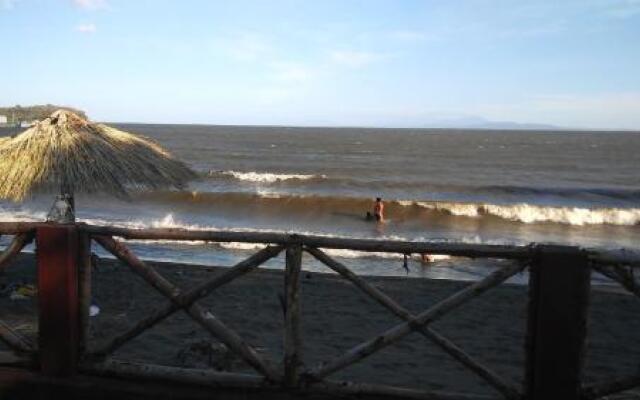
point(473, 186)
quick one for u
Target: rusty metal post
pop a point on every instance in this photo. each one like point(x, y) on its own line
point(57, 258)
point(560, 281)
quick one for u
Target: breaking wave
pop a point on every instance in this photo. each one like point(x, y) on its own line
point(263, 177)
point(528, 213)
point(276, 204)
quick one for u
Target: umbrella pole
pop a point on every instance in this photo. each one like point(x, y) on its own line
point(68, 192)
point(63, 209)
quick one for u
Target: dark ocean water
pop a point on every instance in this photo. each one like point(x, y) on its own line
point(502, 187)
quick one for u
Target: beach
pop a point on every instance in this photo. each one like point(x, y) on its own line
point(335, 317)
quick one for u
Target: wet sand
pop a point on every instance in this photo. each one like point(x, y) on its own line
point(335, 317)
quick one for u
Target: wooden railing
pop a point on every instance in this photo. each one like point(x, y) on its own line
point(556, 331)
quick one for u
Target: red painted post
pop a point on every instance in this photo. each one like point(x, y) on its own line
point(57, 254)
point(559, 289)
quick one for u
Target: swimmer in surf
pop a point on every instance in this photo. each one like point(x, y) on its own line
point(378, 210)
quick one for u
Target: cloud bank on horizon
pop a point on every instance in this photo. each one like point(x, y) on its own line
point(362, 62)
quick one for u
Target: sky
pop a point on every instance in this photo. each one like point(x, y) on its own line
point(396, 63)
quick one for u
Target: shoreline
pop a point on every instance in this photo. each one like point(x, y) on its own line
point(335, 317)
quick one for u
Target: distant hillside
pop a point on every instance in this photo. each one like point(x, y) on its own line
point(17, 114)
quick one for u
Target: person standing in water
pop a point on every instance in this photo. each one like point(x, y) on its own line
point(378, 210)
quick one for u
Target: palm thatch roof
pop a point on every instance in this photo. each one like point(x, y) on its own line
point(67, 151)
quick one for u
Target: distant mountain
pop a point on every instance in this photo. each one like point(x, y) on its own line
point(17, 114)
point(482, 123)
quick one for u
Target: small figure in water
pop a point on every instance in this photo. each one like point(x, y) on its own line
point(378, 210)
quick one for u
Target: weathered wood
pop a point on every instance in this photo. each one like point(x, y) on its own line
point(365, 390)
point(396, 333)
point(234, 342)
point(559, 289)
point(292, 335)
point(188, 298)
point(57, 259)
point(15, 340)
point(456, 249)
point(508, 390)
point(622, 256)
point(21, 383)
point(205, 318)
point(15, 228)
point(626, 257)
point(84, 289)
point(619, 274)
point(607, 388)
point(128, 370)
point(15, 247)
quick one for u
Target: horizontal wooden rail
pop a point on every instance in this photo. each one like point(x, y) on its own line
point(14, 228)
point(459, 249)
point(624, 257)
point(601, 256)
point(131, 370)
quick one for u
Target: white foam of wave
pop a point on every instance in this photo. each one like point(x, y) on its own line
point(21, 215)
point(528, 213)
point(266, 177)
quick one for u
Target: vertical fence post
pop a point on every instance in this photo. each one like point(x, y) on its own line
point(292, 339)
point(57, 259)
point(560, 280)
point(84, 289)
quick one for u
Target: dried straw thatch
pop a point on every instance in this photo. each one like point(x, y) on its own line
point(65, 152)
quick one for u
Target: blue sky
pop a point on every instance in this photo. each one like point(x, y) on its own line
point(573, 63)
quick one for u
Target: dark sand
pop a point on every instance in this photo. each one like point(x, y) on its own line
point(337, 316)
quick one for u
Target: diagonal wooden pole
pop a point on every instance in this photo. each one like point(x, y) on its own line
point(507, 389)
point(19, 242)
point(188, 298)
point(396, 333)
point(601, 390)
point(205, 318)
point(15, 340)
point(618, 274)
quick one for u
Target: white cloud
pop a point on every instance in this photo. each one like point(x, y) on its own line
point(354, 59)
point(90, 4)
point(86, 28)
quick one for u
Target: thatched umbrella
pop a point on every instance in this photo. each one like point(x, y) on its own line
point(68, 154)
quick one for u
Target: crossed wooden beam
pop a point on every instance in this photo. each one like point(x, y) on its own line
point(292, 376)
point(623, 274)
point(10, 337)
point(187, 301)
